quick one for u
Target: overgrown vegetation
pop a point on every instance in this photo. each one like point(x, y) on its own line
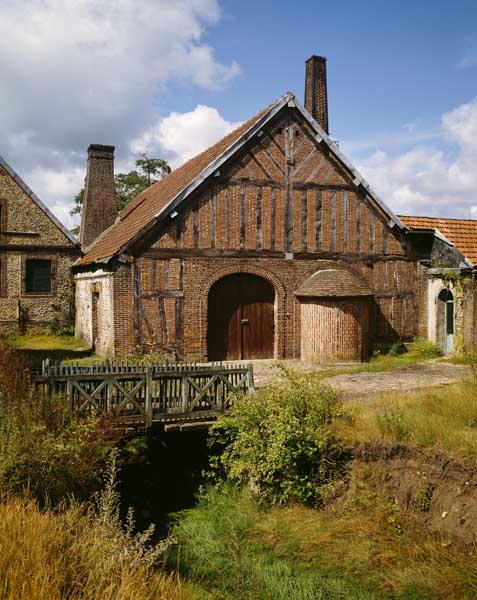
point(79, 553)
point(59, 539)
point(444, 418)
point(233, 547)
point(219, 548)
point(43, 448)
point(280, 441)
point(288, 512)
point(253, 535)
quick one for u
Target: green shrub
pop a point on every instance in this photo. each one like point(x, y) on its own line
point(219, 547)
point(398, 348)
point(57, 326)
point(425, 348)
point(280, 440)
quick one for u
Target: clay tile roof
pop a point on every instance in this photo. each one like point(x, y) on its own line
point(333, 283)
point(145, 207)
point(460, 232)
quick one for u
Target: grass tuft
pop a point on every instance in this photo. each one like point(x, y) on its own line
point(46, 342)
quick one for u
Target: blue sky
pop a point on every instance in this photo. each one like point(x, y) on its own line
point(389, 63)
point(170, 77)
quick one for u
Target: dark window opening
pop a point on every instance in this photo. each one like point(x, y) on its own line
point(447, 298)
point(450, 317)
point(38, 276)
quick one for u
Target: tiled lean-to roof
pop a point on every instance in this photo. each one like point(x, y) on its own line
point(336, 283)
point(460, 232)
point(160, 200)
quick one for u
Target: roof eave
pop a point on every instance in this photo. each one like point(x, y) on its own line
point(210, 169)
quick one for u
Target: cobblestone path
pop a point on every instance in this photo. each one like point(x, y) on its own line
point(368, 384)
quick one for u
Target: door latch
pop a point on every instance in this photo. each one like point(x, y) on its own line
point(244, 321)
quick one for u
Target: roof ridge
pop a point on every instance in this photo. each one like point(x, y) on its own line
point(143, 196)
point(437, 218)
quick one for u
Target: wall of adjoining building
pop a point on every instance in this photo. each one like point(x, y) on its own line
point(26, 232)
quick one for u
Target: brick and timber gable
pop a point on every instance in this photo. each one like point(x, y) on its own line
point(284, 193)
point(281, 159)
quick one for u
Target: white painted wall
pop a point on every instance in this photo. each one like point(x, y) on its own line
point(84, 310)
point(435, 286)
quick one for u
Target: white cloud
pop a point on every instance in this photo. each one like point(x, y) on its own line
point(76, 72)
point(57, 184)
point(57, 188)
point(183, 135)
point(425, 179)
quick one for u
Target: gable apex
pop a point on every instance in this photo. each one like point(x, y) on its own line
point(133, 224)
point(31, 194)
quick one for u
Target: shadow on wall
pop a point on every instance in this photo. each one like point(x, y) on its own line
point(382, 333)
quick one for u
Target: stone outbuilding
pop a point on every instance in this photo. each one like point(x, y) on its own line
point(36, 255)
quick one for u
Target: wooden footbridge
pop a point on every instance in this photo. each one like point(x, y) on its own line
point(177, 395)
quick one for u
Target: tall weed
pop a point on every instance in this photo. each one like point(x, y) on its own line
point(79, 553)
point(43, 447)
point(444, 418)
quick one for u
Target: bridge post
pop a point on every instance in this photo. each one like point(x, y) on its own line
point(185, 393)
point(148, 397)
point(250, 385)
point(69, 394)
point(109, 397)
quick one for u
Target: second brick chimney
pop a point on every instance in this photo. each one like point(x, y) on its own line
point(100, 207)
point(316, 90)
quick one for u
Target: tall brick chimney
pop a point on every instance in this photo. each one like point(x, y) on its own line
point(316, 90)
point(100, 206)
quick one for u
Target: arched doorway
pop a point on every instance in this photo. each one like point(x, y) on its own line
point(334, 316)
point(240, 319)
point(445, 320)
point(334, 330)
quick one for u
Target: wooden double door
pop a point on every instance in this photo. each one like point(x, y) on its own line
point(240, 318)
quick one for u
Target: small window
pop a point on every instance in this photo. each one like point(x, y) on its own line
point(38, 276)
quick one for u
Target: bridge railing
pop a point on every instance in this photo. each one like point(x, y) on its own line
point(146, 393)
